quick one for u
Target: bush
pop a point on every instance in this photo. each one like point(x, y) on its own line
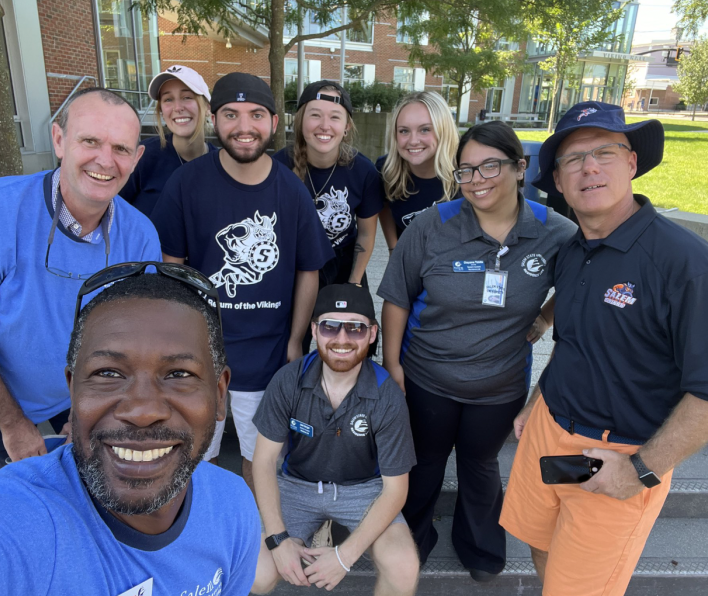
point(364, 97)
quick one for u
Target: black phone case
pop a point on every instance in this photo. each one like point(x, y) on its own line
point(568, 469)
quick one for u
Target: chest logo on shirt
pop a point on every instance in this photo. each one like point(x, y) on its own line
point(250, 251)
point(359, 425)
point(334, 212)
point(212, 588)
point(407, 219)
point(620, 295)
point(533, 265)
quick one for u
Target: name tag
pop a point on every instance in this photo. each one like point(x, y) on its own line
point(302, 428)
point(144, 589)
point(495, 288)
point(468, 266)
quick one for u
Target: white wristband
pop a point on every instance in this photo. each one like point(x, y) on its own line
point(336, 551)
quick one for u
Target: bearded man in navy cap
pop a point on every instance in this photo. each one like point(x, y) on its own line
point(249, 224)
point(627, 383)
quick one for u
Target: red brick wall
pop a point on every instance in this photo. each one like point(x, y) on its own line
point(68, 44)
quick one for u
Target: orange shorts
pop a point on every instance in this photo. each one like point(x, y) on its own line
point(593, 541)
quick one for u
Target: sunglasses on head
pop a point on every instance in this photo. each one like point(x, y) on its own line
point(330, 328)
point(182, 273)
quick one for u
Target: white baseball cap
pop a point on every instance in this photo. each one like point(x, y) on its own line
point(188, 76)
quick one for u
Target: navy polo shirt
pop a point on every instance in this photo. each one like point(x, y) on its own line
point(631, 326)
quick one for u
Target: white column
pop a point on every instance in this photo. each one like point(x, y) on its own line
point(369, 73)
point(314, 68)
point(419, 79)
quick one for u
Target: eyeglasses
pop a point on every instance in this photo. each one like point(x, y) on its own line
point(603, 155)
point(488, 169)
point(330, 328)
point(181, 273)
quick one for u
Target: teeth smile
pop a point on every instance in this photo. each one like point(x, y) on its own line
point(593, 187)
point(340, 351)
point(99, 176)
point(414, 150)
point(182, 120)
point(245, 139)
point(479, 193)
point(324, 137)
point(131, 455)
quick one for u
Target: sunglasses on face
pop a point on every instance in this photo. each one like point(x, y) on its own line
point(329, 328)
point(181, 273)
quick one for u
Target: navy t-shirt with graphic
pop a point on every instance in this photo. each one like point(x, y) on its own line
point(353, 190)
point(250, 240)
point(425, 193)
point(154, 169)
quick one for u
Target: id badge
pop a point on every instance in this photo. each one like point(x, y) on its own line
point(302, 428)
point(468, 266)
point(495, 288)
point(144, 589)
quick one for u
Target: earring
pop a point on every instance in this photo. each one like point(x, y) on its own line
point(346, 132)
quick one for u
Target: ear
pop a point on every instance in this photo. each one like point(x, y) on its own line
point(521, 169)
point(275, 122)
point(213, 119)
point(633, 164)
point(138, 154)
point(556, 179)
point(222, 393)
point(58, 139)
point(313, 329)
point(373, 332)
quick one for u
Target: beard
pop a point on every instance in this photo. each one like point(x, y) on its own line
point(248, 155)
point(89, 463)
point(338, 364)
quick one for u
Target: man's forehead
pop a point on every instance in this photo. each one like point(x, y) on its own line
point(243, 106)
point(589, 138)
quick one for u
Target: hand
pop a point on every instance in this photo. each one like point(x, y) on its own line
point(521, 420)
point(23, 440)
point(294, 349)
point(287, 557)
point(539, 327)
point(66, 430)
point(617, 477)
point(397, 374)
point(327, 571)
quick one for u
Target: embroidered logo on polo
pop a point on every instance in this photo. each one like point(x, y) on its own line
point(533, 265)
point(334, 212)
point(620, 295)
point(407, 219)
point(359, 425)
point(250, 251)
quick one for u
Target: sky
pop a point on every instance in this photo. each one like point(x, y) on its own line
point(655, 21)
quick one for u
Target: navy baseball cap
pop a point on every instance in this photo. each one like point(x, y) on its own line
point(240, 86)
point(313, 91)
point(346, 298)
point(646, 139)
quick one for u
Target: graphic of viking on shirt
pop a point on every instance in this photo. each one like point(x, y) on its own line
point(334, 212)
point(250, 251)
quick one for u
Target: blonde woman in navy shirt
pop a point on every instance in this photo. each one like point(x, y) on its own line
point(417, 171)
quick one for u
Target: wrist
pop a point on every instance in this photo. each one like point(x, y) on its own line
point(346, 556)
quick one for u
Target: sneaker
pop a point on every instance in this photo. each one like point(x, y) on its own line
point(322, 537)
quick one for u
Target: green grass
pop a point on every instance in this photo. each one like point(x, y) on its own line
point(679, 180)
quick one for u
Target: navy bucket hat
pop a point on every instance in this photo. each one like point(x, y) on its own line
point(646, 139)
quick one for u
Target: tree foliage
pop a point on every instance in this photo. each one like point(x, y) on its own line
point(693, 75)
point(692, 15)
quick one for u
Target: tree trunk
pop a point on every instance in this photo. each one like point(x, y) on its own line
point(552, 113)
point(693, 116)
point(276, 57)
point(10, 157)
point(459, 106)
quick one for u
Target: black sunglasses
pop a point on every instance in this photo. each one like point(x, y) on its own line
point(181, 273)
point(329, 328)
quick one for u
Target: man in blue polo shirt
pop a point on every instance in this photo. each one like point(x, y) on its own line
point(58, 228)
point(129, 508)
point(248, 223)
point(628, 381)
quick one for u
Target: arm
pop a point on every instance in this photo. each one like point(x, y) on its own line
point(523, 417)
point(393, 325)
point(20, 436)
point(168, 259)
point(304, 297)
point(286, 555)
point(682, 434)
point(543, 321)
point(364, 247)
point(327, 571)
point(388, 226)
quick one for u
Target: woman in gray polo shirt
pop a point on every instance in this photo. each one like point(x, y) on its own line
point(462, 294)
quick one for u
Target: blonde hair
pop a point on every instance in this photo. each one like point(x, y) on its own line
point(298, 149)
point(203, 116)
point(396, 171)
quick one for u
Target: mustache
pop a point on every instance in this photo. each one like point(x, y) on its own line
point(158, 433)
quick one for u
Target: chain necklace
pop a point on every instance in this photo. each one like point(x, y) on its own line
point(181, 162)
point(317, 194)
point(326, 390)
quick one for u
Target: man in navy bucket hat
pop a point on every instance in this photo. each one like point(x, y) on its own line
point(627, 383)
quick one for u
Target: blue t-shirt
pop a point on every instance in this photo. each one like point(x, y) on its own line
point(250, 240)
point(152, 173)
point(425, 193)
point(54, 540)
point(37, 307)
point(351, 190)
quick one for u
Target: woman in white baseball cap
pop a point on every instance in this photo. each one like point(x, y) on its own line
point(182, 99)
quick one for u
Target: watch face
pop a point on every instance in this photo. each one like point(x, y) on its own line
point(650, 480)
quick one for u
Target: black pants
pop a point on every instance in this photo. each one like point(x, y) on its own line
point(57, 423)
point(477, 432)
point(335, 271)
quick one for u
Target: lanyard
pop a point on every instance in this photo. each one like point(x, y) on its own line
point(500, 253)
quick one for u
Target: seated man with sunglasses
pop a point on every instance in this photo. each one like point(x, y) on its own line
point(57, 229)
point(129, 509)
point(349, 453)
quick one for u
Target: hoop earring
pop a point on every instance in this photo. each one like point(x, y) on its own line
point(346, 132)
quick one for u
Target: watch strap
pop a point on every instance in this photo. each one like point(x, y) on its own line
point(275, 539)
point(646, 476)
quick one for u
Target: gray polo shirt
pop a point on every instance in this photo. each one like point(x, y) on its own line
point(454, 345)
point(368, 436)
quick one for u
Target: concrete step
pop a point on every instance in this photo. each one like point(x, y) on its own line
point(675, 560)
point(688, 497)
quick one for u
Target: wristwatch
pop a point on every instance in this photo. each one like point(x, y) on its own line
point(647, 477)
point(276, 539)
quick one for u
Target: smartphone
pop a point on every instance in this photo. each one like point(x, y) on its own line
point(568, 469)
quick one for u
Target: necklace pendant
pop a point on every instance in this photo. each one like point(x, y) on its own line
point(339, 432)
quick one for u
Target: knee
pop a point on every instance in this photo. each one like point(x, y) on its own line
point(399, 567)
point(267, 576)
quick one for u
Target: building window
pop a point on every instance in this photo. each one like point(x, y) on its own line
point(291, 71)
point(360, 33)
point(129, 49)
point(495, 97)
point(354, 73)
point(402, 37)
point(403, 77)
point(653, 101)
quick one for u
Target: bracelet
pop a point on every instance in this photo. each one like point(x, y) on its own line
point(336, 551)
